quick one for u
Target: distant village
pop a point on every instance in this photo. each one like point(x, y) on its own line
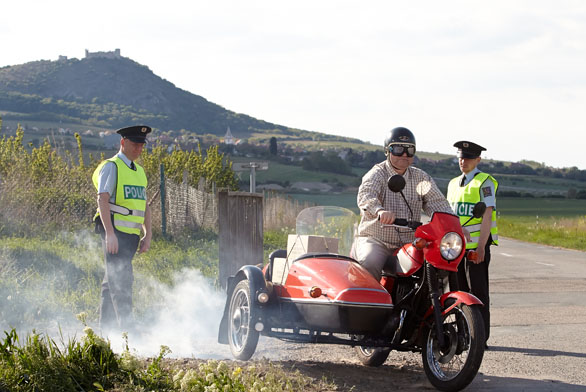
point(111, 140)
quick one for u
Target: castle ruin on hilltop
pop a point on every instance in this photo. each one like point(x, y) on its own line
point(107, 55)
point(115, 54)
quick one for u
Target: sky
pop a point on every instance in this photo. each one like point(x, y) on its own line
point(508, 75)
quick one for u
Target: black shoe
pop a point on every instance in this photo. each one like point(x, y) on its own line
point(486, 347)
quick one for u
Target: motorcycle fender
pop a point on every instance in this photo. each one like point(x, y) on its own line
point(460, 297)
point(258, 284)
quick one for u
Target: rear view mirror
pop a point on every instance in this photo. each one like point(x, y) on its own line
point(396, 183)
point(479, 209)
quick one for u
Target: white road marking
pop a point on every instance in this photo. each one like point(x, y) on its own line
point(507, 255)
point(549, 265)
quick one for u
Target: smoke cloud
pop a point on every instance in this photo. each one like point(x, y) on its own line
point(186, 319)
point(40, 291)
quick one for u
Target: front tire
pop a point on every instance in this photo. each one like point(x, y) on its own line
point(372, 356)
point(454, 367)
point(242, 336)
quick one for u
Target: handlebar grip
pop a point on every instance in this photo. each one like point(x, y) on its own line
point(414, 225)
point(401, 222)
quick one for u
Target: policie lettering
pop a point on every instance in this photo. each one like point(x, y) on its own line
point(134, 192)
point(463, 209)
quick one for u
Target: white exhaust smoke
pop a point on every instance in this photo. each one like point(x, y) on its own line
point(186, 319)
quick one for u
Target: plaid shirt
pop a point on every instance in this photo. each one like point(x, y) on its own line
point(420, 191)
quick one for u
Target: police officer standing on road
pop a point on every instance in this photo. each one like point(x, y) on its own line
point(463, 193)
point(122, 212)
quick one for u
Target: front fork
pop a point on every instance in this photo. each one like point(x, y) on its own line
point(434, 296)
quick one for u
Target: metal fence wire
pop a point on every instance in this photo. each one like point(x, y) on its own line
point(69, 202)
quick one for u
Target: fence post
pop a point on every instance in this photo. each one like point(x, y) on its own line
point(163, 215)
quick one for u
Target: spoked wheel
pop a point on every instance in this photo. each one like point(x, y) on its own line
point(372, 356)
point(242, 336)
point(454, 366)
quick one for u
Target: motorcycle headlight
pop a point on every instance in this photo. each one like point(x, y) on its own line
point(451, 246)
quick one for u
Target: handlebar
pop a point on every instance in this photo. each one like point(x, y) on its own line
point(400, 222)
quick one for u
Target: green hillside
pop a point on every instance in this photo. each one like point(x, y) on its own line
point(113, 92)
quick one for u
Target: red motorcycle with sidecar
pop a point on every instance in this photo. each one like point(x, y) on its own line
point(329, 298)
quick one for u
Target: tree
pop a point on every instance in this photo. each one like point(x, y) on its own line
point(273, 146)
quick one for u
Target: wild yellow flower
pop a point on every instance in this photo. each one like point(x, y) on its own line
point(237, 372)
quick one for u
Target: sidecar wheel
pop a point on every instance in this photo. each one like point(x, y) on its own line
point(453, 367)
point(372, 356)
point(242, 336)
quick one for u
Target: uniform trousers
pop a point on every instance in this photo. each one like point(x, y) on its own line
point(116, 296)
point(473, 278)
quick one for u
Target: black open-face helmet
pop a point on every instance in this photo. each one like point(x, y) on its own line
point(399, 136)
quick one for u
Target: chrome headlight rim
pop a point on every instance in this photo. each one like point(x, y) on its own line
point(451, 246)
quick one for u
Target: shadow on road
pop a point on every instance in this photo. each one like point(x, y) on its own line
point(537, 352)
point(395, 377)
point(514, 384)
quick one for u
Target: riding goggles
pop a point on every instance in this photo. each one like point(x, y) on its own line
point(400, 149)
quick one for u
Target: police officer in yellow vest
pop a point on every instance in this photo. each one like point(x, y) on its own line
point(122, 212)
point(463, 193)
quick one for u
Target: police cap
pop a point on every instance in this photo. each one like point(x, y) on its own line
point(468, 150)
point(136, 133)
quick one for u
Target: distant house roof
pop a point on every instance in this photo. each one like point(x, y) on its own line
point(112, 140)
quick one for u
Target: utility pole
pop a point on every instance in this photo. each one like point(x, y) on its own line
point(253, 166)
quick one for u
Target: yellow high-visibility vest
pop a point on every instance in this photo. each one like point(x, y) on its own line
point(463, 198)
point(130, 207)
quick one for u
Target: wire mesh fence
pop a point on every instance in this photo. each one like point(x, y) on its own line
point(69, 202)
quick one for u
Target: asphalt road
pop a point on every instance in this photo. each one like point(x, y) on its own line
point(538, 325)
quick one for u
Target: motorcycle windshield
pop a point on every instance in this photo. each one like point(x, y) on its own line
point(331, 222)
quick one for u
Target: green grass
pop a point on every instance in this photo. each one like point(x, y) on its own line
point(542, 184)
point(555, 231)
point(542, 207)
point(280, 173)
point(38, 363)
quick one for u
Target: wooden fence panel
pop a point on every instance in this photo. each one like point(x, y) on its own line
point(240, 237)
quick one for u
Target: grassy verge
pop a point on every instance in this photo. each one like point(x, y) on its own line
point(89, 364)
point(564, 232)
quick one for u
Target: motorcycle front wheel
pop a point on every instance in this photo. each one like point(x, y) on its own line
point(454, 366)
point(372, 356)
point(242, 336)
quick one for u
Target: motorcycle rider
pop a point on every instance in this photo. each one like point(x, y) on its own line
point(463, 192)
point(379, 205)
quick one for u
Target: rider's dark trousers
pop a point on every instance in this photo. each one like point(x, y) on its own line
point(473, 278)
point(116, 296)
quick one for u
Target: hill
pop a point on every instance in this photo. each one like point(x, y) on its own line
point(111, 91)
